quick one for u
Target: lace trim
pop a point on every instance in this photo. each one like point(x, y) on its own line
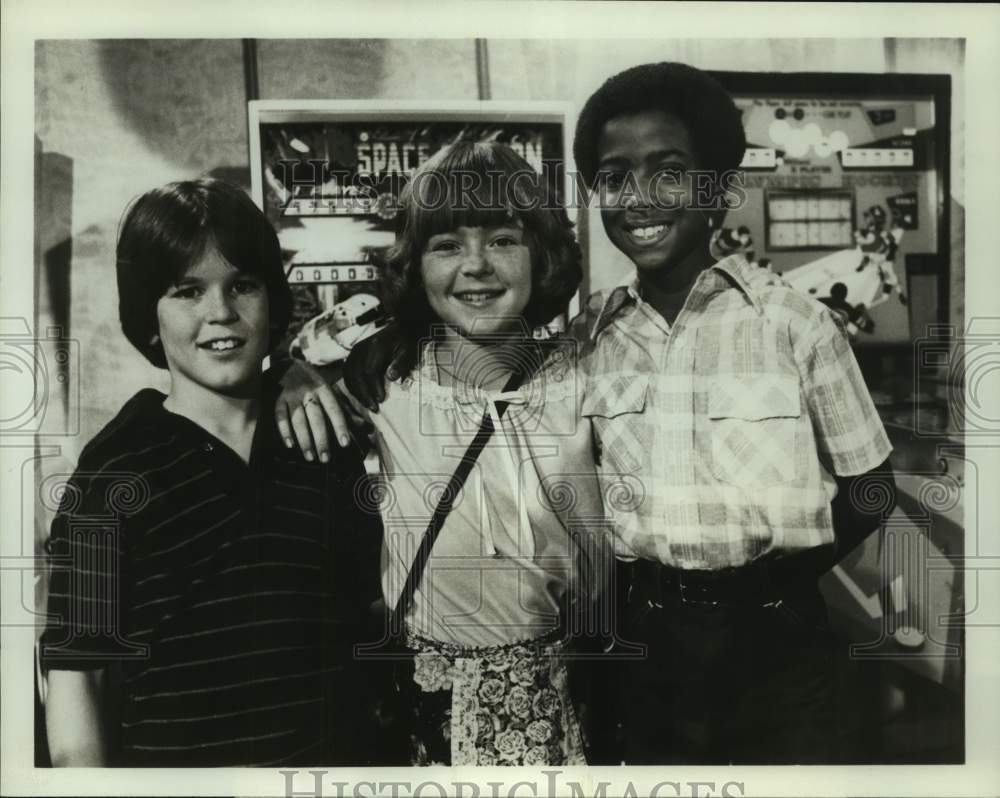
point(465, 713)
point(556, 382)
point(574, 745)
point(549, 644)
point(536, 393)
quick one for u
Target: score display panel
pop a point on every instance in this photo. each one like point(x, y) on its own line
point(328, 175)
point(823, 152)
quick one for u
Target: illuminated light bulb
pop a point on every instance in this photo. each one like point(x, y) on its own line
point(299, 145)
point(812, 133)
point(838, 140)
point(779, 130)
point(823, 148)
point(796, 146)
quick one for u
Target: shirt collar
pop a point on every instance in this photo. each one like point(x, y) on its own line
point(734, 267)
point(745, 276)
point(619, 297)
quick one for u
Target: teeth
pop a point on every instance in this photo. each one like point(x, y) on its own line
point(648, 232)
point(220, 346)
point(478, 297)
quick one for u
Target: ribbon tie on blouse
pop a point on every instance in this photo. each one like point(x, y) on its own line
point(510, 397)
point(504, 502)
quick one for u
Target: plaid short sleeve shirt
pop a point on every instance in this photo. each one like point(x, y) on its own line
point(719, 435)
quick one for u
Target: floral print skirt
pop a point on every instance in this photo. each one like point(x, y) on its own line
point(503, 705)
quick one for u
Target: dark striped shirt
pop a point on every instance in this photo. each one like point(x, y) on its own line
point(227, 595)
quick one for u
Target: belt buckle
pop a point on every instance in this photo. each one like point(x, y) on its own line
point(683, 589)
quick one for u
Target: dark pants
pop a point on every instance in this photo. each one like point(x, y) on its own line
point(729, 684)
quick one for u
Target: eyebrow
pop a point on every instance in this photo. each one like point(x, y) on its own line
point(653, 156)
point(507, 226)
point(186, 280)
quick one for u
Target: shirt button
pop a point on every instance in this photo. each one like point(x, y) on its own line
point(208, 447)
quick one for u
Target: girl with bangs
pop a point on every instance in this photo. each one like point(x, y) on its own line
point(481, 260)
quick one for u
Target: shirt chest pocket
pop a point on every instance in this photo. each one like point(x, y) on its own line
point(753, 430)
point(616, 408)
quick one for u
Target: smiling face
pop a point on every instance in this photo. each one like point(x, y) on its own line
point(643, 159)
point(213, 325)
point(478, 279)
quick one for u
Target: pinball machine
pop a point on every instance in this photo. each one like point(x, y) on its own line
point(846, 185)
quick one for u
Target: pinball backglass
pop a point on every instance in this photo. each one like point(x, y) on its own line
point(328, 175)
point(846, 180)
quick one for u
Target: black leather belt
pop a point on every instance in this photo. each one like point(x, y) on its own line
point(757, 583)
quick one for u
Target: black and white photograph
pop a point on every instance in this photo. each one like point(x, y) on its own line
point(496, 399)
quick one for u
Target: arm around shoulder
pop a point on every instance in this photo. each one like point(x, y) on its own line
point(304, 406)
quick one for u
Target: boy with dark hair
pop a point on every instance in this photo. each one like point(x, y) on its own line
point(195, 559)
point(738, 403)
